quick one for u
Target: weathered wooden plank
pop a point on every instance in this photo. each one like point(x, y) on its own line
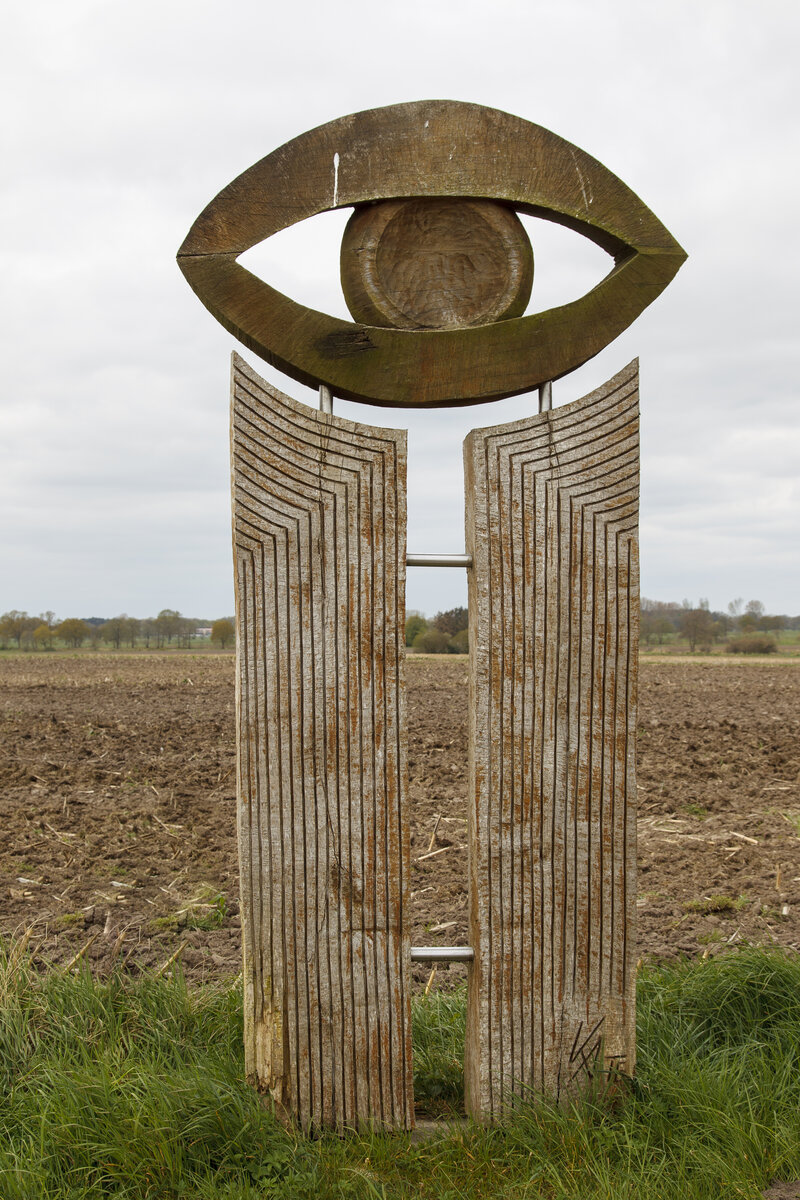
point(552, 512)
point(319, 545)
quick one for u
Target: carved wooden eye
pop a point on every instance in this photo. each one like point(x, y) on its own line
point(436, 267)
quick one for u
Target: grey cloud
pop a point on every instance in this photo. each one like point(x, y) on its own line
point(113, 430)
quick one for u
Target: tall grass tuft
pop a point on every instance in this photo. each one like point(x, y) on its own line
point(437, 1026)
point(134, 1090)
point(715, 1107)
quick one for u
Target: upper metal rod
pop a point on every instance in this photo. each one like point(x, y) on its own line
point(442, 954)
point(545, 396)
point(325, 399)
point(438, 560)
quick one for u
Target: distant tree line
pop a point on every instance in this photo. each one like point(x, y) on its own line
point(169, 628)
point(446, 633)
point(742, 628)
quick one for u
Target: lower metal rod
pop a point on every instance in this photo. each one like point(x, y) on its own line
point(438, 560)
point(546, 397)
point(325, 399)
point(442, 954)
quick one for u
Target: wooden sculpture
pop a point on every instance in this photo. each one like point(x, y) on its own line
point(437, 272)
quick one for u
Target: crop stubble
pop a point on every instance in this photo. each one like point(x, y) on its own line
point(117, 798)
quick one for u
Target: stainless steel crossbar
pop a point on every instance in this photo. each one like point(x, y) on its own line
point(442, 954)
point(438, 560)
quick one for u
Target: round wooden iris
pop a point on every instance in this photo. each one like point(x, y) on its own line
point(442, 263)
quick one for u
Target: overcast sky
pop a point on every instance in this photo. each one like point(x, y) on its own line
point(123, 120)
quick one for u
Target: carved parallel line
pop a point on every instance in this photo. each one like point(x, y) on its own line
point(551, 524)
point(302, 1049)
point(282, 421)
point(329, 695)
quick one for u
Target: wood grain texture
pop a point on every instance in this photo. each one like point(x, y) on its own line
point(435, 263)
point(552, 513)
point(433, 148)
point(319, 544)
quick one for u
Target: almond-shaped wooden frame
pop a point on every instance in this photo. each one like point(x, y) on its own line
point(428, 148)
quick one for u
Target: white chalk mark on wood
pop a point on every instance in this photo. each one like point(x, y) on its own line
point(587, 200)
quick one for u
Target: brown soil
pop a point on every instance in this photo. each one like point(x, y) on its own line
point(117, 798)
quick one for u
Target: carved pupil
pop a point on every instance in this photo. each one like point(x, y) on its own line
point(442, 264)
point(435, 263)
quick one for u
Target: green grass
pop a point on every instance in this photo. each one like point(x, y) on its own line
point(204, 910)
point(134, 1090)
point(794, 820)
point(437, 1031)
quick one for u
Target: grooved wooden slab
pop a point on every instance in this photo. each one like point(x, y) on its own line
point(319, 544)
point(551, 514)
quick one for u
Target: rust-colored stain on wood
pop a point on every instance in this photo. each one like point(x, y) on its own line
point(319, 544)
point(551, 514)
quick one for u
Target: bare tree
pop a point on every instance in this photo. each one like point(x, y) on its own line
point(752, 616)
point(223, 633)
point(697, 627)
point(16, 624)
point(452, 621)
point(73, 631)
point(114, 630)
point(168, 625)
point(43, 637)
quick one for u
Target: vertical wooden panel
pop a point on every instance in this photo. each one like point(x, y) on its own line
point(319, 543)
point(552, 514)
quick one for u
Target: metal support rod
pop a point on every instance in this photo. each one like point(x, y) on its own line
point(442, 954)
point(325, 399)
point(438, 560)
point(546, 397)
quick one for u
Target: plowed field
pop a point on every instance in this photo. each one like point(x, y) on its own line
point(117, 800)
